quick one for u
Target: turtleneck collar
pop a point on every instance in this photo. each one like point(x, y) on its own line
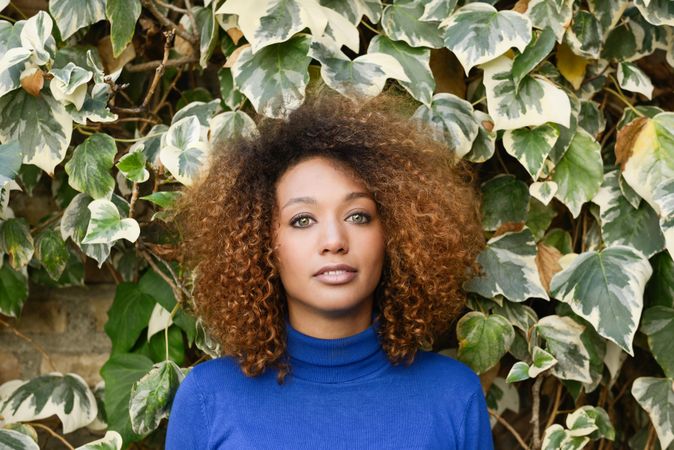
point(335, 360)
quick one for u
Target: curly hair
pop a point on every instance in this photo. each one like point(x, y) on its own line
point(427, 201)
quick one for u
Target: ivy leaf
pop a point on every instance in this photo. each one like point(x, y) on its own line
point(16, 241)
point(437, 10)
point(11, 64)
point(585, 35)
point(51, 251)
point(36, 36)
point(341, 30)
point(606, 288)
point(555, 14)
point(128, 316)
point(579, 173)
point(563, 340)
point(531, 146)
point(556, 437)
point(274, 79)
point(74, 223)
point(664, 198)
point(534, 102)
point(71, 15)
point(122, 15)
point(13, 290)
point(631, 78)
point(66, 396)
point(483, 340)
point(543, 191)
point(231, 125)
point(132, 165)
point(111, 441)
point(591, 118)
point(658, 324)
point(356, 9)
point(657, 12)
point(505, 200)
point(415, 63)
point(14, 440)
point(362, 78)
point(10, 161)
point(208, 33)
point(151, 396)
point(69, 84)
point(477, 33)
point(106, 226)
point(656, 396)
point(182, 151)
point(537, 50)
point(89, 167)
point(400, 22)
point(95, 107)
point(452, 120)
point(485, 142)
point(509, 263)
point(40, 125)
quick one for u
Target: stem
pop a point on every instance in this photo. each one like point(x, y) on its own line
point(154, 64)
point(168, 23)
point(10, 19)
point(159, 71)
point(478, 100)
point(555, 407)
point(509, 427)
point(362, 22)
point(651, 437)
point(16, 8)
point(31, 342)
point(138, 139)
point(171, 7)
point(53, 433)
point(134, 197)
point(536, 395)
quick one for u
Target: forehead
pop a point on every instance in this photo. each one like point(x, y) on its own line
point(317, 176)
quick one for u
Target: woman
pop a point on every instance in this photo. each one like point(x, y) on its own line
point(328, 250)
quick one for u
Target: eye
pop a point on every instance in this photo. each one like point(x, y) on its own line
point(301, 220)
point(363, 217)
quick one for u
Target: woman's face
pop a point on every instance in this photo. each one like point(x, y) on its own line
point(326, 217)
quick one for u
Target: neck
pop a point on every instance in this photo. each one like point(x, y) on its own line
point(331, 327)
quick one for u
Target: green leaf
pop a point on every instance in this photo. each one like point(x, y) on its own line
point(660, 287)
point(208, 32)
point(13, 440)
point(40, 125)
point(533, 102)
point(622, 224)
point(274, 78)
point(579, 173)
point(509, 263)
point(658, 324)
point(557, 438)
point(518, 314)
point(69, 85)
point(657, 12)
point(518, 372)
point(95, 107)
point(11, 63)
point(656, 396)
point(128, 316)
point(477, 33)
point(483, 340)
point(132, 165)
point(231, 125)
point(505, 199)
point(16, 241)
point(539, 218)
point(585, 35)
point(537, 50)
point(437, 10)
point(591, 118)
point(555, 14)
point(230, 95)
point(120, 372)
point(106, 226)
point(355, 9)
point(400, 22)
point(543, 191)
point(111, 441)
point(152, 396)
point(531, 146)
point(176, 346)
point(164, 199)
point(485, 142)
point(542, 361)
point(563, 340)
point(74, 224)
point(89, 167)
point(631, 78)
point(122, 15)
point(560, 239)
point(183, 153)
point(51, 251)
point(415, 63)
point(451, 120)
point(360, 79)
point(71, 15)
point(606, 288)
point(13, 290)
point(66, 396)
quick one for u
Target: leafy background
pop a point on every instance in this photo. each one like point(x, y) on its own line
point(563, 106)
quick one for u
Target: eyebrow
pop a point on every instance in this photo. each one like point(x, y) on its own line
point(312, 201)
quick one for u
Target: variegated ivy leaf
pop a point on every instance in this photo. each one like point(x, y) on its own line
point(531, 146)
point(106, 226)
point(274, 21)
point(509, 263)
point(505, 199)
point(341, 30)
point(437, 10)
point(629, 194)
point(591, 118)
point(208, 33)
point(608, 12)
point(579, 173)
point(590, 421)
point(664, 198)
point(152, 396)
point(74, 223)
point(658, 324)
point(477, 33)
point(13, 290)
point(122, 15)
point(150, 144)
point(16, 241)
point(535, 102)
point(556, 438)
point(606, 288)
point(274, 79)
point(585, 35)
point(538, 49)
point(11, 65)
point(132, 165)
point(519, 315)
point(160, 319)
point(563, 340)
point(451, 120)
point(356, 9)
point(36, 37)
point(541, 361)
point(95, 107)
point(67, 396)
point(69, 84)
point(622, 224)
point(231, 125)
point(485, 142)
point(13, 440)
point(362, 78)
point(111, 441)
point(631, 78)
point(51, 251)
point(656, 396)
point(555, 14)
point(543, 191)
point(40, 125)
point(415, 63)
point(182, 152)
point(10, 161)
point(400, 22)
point(657, 12)
point(89, 167)
point(71, 15)
point(483, 340)
point(203, 111)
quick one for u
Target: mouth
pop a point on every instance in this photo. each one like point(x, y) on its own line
point(335, 277)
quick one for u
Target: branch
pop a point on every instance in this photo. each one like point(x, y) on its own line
point(169, 35)
point(510, 428)
point(53, 433)
point(154, 64)
point(31, 342)
point(536, 395)
point(168, 23)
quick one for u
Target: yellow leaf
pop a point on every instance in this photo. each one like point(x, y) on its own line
point(571, 66)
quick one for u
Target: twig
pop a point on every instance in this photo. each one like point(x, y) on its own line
point(41, 226)
point(31, 342)
point(171, 7)
point(369, 27)
point(536, 395)
point(509, 427)
point(555, 407)
point(168, 23)
point(134, 197)
point(142, 67)
point(53, 433)
point(178, 291)
point(137, 119)
point(160, 68)
point(651, 437)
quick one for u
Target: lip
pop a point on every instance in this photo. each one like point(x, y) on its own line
point(346, 267)
point(339, 278)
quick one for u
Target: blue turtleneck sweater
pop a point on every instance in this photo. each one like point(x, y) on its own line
point(341, 394)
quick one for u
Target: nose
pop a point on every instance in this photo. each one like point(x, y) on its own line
point(334, 238)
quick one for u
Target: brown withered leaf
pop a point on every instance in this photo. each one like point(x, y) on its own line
point(231, 60)
point(110, 63)
point(547, 261)
point(508, 227)
point(33, 82)
point(487, 378)
point(447, 72)
point(235, 34)
point(487, 125)
point(625, 140)
point(521, 6)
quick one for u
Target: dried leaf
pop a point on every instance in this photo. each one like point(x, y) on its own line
point(32, 81)
point(235, 34)
point(110, 63)
point(547, 261)
point(521, 6)
point(571, 66)
point(625, 140)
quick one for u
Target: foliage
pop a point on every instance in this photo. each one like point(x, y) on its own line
point(564, 107)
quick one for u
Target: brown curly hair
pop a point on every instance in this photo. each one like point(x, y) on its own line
point(426, 199)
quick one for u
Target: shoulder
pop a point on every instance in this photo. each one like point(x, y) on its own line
point(212, 374)
point(451, 376)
